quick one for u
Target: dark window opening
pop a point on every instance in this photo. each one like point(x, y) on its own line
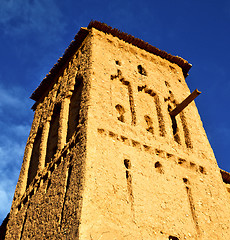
point(74, 107)
point(167, 84)
point(174, 126)
point(19, 206)
point(53, 134)
point(160, 116)
point(159, 167)
point(121, 112)
point(202, 170)
point(34, 161)
point(149, 123)
point(181, 161)
point(141, 70)
point(185, 180)
point(173, 238)
point(140, 88)
point(48, 185)
point(58, 90)
point(25, 200)
point(127, 163)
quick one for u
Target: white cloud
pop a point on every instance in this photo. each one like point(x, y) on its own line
point(15, 123)
point(5, 204)
point(8, 97)
point(11, 155)
point(20, 17)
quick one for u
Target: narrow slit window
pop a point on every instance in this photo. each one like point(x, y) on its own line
point(74, 108)
point(149, 123)
point(174, 126)
point(160, 116)
point(53, 134)
point(121, 112)
point(127, 164)
point(141, 70)
point(34, 161)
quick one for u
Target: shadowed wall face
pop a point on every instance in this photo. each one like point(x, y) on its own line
point(54, 161)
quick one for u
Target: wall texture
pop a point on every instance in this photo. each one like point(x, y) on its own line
point(147, 178)
point(48, 196)
point(104, 159)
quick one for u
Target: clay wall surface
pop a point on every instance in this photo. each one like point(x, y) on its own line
point(48, 197)
point(148, 176)
point(104, 159)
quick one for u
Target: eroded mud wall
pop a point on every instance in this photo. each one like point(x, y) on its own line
point(149, 176)
point(48, 197)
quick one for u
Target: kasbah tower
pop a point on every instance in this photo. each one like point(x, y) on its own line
point(107, 158)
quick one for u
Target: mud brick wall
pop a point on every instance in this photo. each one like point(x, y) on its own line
point(105, 160)
point(48, 195)
point(148, 176)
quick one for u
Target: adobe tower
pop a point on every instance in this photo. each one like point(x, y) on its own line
point(107, 158)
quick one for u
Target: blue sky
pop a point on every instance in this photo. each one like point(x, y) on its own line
point(35, 33)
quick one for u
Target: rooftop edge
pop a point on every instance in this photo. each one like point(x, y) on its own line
point(79, 38)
